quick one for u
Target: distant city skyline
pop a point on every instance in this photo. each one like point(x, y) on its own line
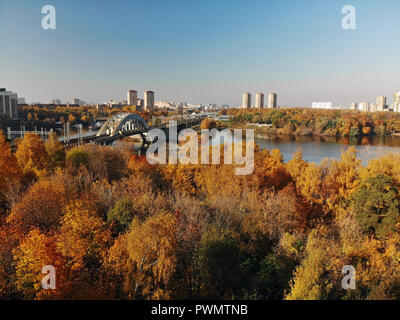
point(201, 52)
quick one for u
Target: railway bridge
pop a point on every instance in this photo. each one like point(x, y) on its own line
point(128, 124)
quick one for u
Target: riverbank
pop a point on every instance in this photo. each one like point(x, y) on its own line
point(268, 129)
point(322, 122)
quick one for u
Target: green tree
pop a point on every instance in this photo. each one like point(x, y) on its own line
point(219, 263)
point(120, 216)
point(376, 205)
point(354, 132)
point(77, 157)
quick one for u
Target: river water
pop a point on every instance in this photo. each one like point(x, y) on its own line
point(315, 149)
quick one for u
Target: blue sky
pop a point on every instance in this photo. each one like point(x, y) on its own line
point(203, 51)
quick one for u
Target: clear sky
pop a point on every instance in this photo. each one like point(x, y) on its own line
point(203, 51)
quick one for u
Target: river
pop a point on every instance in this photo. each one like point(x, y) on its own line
point(315, 148)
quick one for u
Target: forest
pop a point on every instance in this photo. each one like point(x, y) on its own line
point(324, 122)
point(115, 227)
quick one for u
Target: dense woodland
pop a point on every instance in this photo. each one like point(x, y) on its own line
point(319, 121)
point(115, 227)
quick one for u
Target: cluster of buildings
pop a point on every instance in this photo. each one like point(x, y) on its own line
point(8, 104)
point(322, 105)
point(380, 105)
point(190, 106)
point(146, 104)
point(259, 101)
point(132, 100)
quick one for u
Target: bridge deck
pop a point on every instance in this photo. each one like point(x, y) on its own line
point(107, 139)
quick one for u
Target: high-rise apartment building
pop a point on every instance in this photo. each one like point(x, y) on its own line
point(353, 106)
point(380, 103)
point(365, 106)
point(148, 98)
point(396, 102)
point(131, 97)
point(246, 100)
point(272, 98)
point(8, 104)
point(259, 100)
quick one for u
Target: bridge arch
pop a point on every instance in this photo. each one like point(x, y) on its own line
point(123, 123)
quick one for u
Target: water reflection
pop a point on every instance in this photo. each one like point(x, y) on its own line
point(317, 148)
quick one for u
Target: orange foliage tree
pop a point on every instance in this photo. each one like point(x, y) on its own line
point(9, 169)
point(36, 251)
point(41, 207)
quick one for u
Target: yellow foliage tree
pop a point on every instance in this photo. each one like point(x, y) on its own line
point(388, 165)
point(31, 154)
point(269, 170)
point(310, 280)
point(341, 177)
point(149, 249)
point(308, 183)
point(55, 151)
point(296, 165)
point(82, 236)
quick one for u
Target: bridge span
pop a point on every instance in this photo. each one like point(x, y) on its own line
point(128, 124)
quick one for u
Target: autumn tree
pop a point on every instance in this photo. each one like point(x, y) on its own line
point(83, 236)
point(41, 207)
point(150, 252)
point(9, 240)
point(100, 162)
point(31, 154)
point(311, 279)
point(83, 240)
point(10, 172)
point(388, 164)
point(55, 151)
point(296, 165)
point(341, 178)
point(269, 170)
point(36, 251)
point(208, 123)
